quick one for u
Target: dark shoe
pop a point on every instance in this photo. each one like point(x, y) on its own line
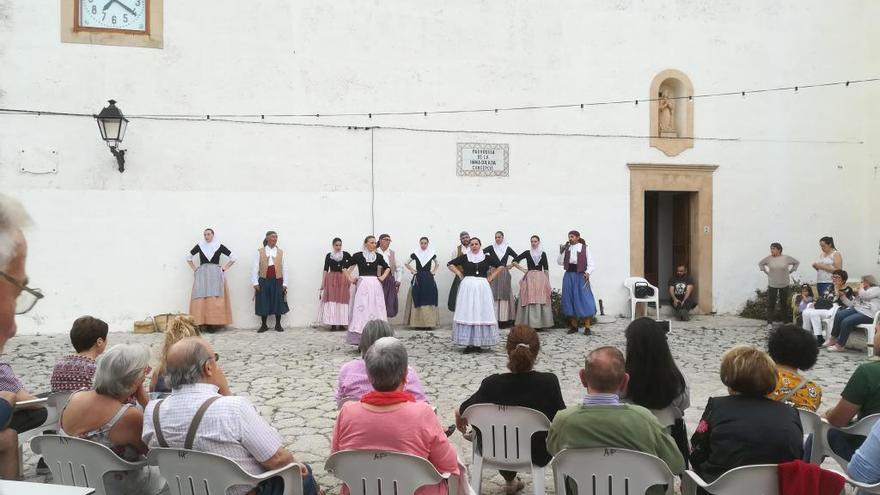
point(587, 331)
point(42, 467)
point(262, 329)
point(279, 328)
point(469, 349)
point(571, 331)
point(819, 340)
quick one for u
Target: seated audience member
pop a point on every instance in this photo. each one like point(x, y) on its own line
point(230, 426)
point(102, 415)
point(793, 348)
point(523, 386)
point(860, 398)
point(602, 420)
point(802, 302)
point(23, 419)
point(75, 371)
point(865, 463)
point(682, 293)
point(180, 327)
point(745, 427)
point(8, 438)
point(655, 382)
point(813, 315)
point(390, 419)
point(860, 310)
point(353, 381)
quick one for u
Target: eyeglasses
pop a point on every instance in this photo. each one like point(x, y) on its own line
point(27, 298)
point(215, 356)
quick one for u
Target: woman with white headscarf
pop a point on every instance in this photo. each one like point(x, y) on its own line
point(421, 303)
point(533, 308)
point(210, 305)
point(335, 284)
point(475, 321)
point(502, 292)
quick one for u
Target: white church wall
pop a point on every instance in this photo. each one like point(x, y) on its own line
point(112, 244)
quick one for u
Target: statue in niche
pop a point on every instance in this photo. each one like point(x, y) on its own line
point(666, 108)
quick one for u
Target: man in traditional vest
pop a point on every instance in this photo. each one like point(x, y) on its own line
point(464, 238)
point(269, 278)
point(391, 285)
point(578, 303)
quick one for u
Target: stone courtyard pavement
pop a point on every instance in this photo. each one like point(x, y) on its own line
point(291, 376)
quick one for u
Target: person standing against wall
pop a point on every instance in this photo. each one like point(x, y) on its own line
point(391, 285)
point(335, 287)
point(501, 285)
point(421, 303)
point(464, 240)
point(829, 260)
point(475, 324)
point(269, 277)
point(209, 305)
point(778, 268)
point(369, 297)
point(533, 308)
point(578, 303)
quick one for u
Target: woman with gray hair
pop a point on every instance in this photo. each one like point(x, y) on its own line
point(407, 426)
point(103, 416)
point(353, 381)
point(860, 310)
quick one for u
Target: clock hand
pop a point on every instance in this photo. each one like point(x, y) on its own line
point(107, 5)
point(125, 7)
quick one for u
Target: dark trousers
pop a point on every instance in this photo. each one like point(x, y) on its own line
point(780, 295)
point(682, 309)
point(844, 321)
point(28, 419)
point(275, 486)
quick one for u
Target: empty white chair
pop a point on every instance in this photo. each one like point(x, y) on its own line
point(78, 462)
point(630, 284)
point(189, 472)
point(375, 472)
point(869, 329)
point(861, 427)
point(760, 479)
point(607, 471)
point(506, 434)
point(814, 425)
point(860, 488)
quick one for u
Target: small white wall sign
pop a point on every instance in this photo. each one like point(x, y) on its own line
point(483, 160)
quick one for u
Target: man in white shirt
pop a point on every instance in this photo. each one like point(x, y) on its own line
point(230, 426)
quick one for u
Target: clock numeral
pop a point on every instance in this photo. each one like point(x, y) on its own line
point(94, 9)
point(125, 18)
point(113, 19)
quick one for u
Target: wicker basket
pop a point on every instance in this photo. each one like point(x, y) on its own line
point(145, 326)
point(162, 321)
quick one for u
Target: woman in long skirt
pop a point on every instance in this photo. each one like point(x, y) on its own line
point(534, 307)
point(421, 303)
point(335, 285)
point(475, 322)
point(502, 293)
point(369, 298)
point(578, 303)
point(209, 305)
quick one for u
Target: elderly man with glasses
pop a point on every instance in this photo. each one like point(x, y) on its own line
point(15, 298)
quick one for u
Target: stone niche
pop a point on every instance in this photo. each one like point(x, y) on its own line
point(672, 112)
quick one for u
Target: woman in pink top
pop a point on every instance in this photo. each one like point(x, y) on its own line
point(406, 425)
point(353, 382)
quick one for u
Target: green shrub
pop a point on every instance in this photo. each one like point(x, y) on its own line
point(756, 307)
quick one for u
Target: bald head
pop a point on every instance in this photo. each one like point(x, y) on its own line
point(605, 370)
point(185, 361)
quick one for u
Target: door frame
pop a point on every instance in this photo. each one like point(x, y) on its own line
point(683, 178)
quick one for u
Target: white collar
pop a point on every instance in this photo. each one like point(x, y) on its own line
point(475, 258)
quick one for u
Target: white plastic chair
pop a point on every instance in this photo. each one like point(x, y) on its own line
point(861, 488)
point(189, 472)
point(54, 404)
point(607, 471)
point(630, 283)
point(77, 462)
point(813, 424)
point(506, 440)
point(375, 472)
point(861, 427)
point(759, 479)
point(869, 329)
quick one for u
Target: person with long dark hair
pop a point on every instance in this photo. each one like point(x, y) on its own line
point(369, 297)
point(829, 260)
point(655, 382)
point(421, 302)
point(269, 278)
point(335, 284)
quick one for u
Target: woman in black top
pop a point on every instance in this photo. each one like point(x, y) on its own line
point(745, 427)
point(421, 302)
point(501, 284)
point(209, 305)
point(475, 322)
point(335, 283)
point(369, 299)
point(524, 387)
point(534, 307)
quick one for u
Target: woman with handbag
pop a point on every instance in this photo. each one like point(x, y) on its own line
point(825, 304)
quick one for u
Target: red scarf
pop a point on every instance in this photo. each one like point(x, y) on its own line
point(376, 398)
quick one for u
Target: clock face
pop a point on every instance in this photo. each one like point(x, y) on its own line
point(125, 15)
